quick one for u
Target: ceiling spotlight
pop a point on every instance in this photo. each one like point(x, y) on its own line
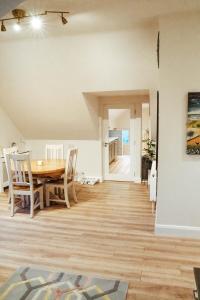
point(64, 20)
point(36, 23)
point(3, 27)
point(17, 27)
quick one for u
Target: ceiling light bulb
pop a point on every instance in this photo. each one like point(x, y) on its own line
point(36, 23)
point(17, 27)
point(3, 27)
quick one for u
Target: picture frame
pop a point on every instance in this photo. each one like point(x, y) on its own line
point(193, 124)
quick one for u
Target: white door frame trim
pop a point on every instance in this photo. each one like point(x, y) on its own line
point(133, 117)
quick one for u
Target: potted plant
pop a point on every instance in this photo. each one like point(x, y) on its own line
point(150, 149)
point(148, 157)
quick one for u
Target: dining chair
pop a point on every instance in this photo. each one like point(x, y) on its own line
point(10, 150)
point(6, 151)
point(54, 151)
point(57, 191)
point(21, 183)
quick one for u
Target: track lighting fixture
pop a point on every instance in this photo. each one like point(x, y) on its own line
point(3, 27)
point(36, 21)
point(64, 20)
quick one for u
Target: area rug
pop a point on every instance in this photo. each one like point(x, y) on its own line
point(34, 284)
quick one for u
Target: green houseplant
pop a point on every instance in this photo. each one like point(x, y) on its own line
point(150, 149)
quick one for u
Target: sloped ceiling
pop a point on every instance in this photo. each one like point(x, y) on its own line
point(44, 78)
point(98, 15)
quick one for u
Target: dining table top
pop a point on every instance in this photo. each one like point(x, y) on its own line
point(48, 168)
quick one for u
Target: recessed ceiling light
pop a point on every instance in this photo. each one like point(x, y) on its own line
point(36, 23)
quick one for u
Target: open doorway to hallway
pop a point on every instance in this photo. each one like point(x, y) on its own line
point(122, 160)
point(118, 145)
point(119, 141)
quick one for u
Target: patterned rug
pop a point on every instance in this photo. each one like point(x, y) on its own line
point(27, 283)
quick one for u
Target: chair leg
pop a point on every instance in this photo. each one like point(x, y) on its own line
point(9, 196)
point(66, 197)
point(47, 196)
point(74, 193)
point(32, 206)
point(23, 200)
point(41, 199)
point(12, 207)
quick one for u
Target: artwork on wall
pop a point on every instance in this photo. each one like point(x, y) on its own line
point(193, 124)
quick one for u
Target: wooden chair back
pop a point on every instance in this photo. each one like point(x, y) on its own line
point(70, 169)
point(6, 151)
point(54, 152)
point(19, 171)
point(10, 150)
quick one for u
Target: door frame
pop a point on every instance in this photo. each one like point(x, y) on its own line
point(104, 128)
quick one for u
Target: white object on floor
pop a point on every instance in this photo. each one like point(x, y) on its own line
point(54, 151)
point(82, 179)
point(153, 184)
point(89, 180)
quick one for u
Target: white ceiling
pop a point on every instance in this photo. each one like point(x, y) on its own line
point(90, 15)
point(42, 80)
point(6, 5)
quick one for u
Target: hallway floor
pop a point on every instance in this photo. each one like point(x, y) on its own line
point(121, 165)
point(109, 233)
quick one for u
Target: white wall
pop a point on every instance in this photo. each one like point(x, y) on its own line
point(153, 114)
point(46, 79)
point(146, 125)
point(145, 120)
point(178, 210)
point(8, 131)
point(47, 83)
point(119, 118)
point(89, 155)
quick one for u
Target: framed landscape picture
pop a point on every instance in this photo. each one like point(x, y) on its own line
point(193, 124)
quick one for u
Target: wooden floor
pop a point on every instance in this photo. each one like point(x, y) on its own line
point(121, 165)
point(108, 233)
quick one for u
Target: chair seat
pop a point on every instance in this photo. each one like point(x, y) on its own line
point(26, 188)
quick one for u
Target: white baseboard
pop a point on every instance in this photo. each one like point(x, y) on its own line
point(118, 177)
point(178, 231)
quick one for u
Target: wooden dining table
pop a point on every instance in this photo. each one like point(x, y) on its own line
point(48, 168)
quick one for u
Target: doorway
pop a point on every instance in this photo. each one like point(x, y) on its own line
point(119, 141)
point(117, 146)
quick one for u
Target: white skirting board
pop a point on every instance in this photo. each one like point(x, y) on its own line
point(177, 231)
